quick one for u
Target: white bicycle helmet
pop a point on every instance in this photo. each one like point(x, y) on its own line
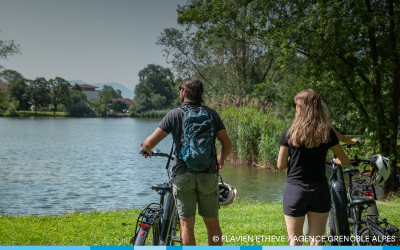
point(227, 194)
point(381, 174)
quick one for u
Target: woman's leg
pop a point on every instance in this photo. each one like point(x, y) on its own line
point(316, 224)
point(294, 228)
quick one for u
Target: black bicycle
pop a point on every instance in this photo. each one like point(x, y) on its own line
point(368, 227)
point(159, 223)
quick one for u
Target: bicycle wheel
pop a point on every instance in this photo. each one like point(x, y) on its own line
point(174, 228)
point(358, 191)
point(148, 236)
point(370, 236)
point(338, 214)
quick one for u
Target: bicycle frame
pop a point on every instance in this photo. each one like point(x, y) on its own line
point(339, 203)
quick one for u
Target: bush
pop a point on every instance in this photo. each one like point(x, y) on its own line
point(12, 108)
point(78, 108)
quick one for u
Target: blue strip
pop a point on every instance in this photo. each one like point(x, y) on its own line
point(251, 248)
point(150, 248)
point(174, 248)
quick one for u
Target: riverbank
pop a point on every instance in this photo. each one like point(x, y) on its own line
point(241, 223)
point(37, 114)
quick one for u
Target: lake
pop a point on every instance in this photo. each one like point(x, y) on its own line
point(57, 165)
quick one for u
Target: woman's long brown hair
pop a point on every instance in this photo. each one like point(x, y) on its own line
point(311, 125)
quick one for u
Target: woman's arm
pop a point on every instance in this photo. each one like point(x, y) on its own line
point(283, 161)
point(339, 152)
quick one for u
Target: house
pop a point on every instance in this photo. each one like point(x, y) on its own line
point(90, 91)
point(3, 85)
point(127, 101)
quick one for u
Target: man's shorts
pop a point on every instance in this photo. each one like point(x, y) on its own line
point(300, 199)
point(190, 189)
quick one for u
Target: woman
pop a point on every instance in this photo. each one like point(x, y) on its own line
point(307, 142)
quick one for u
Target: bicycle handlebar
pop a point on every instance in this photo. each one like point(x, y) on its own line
point(156, 154)
point(359, 142)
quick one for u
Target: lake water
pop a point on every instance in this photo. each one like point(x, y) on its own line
point(57, 165)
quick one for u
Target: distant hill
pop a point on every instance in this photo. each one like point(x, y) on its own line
point(126, 93)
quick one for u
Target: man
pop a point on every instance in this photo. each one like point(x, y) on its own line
point(192, 187)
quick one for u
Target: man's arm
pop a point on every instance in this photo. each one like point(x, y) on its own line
point(226, 146)
point(344, 138)
point(153, 140)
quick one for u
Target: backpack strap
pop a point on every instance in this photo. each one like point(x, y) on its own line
point(181, 108)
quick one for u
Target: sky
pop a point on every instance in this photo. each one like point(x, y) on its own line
point(96, 41)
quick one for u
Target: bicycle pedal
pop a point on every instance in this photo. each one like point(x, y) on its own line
point(176, 239)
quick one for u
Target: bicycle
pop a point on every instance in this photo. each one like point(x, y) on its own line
point(363, 214)
point(161, 219)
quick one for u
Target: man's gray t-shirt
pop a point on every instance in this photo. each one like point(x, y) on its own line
point(173, 122)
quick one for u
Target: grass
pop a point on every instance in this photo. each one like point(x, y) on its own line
point(115, 228)
point(37, 114)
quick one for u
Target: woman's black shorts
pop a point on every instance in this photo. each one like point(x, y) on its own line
point(298, 199)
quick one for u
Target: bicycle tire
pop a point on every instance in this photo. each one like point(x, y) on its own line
point(174, 228)
point(358, 192)
point(142, 238)
point(342, 221)
point(370, 236)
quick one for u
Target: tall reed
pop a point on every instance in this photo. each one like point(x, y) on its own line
point(255, 133)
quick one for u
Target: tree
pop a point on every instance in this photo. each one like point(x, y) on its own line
point(143, 103)
point(8, 48)
point(158, 101)
point(9, 75)
point(78, 108)
point(155, 79)
point(350, 46)
point(77, 87)
point(108, 93)
point(60, 92)
point(118, 106)
point(73, 91)
point(16, 89)
point(229, 60)
point(38, 93)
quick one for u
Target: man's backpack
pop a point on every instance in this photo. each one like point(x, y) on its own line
point(198, 149)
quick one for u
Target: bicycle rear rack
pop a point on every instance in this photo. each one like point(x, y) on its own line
point(148, 217)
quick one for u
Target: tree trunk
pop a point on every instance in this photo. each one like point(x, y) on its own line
point(393, 181)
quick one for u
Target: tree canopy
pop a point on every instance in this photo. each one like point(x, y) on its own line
point(156, 88)
point(257, 47)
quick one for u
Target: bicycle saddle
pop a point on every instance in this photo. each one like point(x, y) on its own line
point(163, 187)
point(351, 171)
point(362, 201)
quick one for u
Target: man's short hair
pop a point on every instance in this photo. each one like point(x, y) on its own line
point(194, 89)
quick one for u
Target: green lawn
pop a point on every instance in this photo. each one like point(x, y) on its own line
point(115, 228)
point(37, 114)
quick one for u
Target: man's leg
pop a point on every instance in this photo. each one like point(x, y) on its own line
point(184, 188)
point(214, 233)
point(294, 227)
point(208, 202)
point(187, 230)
